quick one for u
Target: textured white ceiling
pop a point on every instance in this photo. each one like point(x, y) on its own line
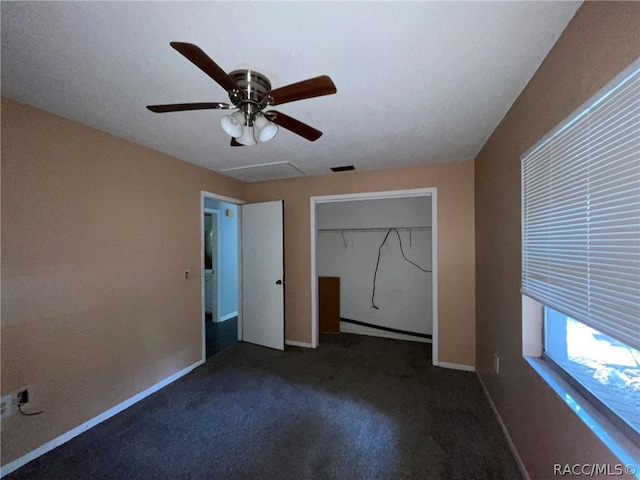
point(418, 82)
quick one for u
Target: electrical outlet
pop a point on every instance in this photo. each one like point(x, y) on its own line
point(23, 396)
point(496, 363)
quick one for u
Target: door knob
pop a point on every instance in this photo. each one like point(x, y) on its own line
point(279, 282)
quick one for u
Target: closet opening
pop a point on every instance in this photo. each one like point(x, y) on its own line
point(374, 265)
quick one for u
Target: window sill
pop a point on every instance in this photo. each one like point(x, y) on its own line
point(617, 442)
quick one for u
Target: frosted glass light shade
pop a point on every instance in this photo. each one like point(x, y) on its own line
point(232, 124)
point(247, 137)
point(265, 129)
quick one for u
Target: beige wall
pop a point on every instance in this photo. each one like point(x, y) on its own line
point(601, 40)
point(456, 263)
point(96, 235)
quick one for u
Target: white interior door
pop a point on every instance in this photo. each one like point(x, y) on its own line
point(263, 274)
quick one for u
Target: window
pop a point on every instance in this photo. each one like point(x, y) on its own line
point(606, 371)
point(581, 247)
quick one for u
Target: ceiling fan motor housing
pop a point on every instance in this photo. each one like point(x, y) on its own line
point(251, 86)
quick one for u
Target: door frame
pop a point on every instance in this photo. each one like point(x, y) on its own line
point(215, 256)
point(203, 195)
point(418, 192)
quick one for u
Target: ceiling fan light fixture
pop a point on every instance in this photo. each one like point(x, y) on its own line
point(250, 92)
point(247, 138)
point(265, 129)
point(232, 124)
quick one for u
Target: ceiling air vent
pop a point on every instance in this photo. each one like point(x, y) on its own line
point(345, 168)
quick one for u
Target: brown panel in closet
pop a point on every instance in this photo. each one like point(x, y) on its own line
point(329, 304)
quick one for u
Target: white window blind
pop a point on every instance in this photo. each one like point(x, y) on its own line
point(581, 213)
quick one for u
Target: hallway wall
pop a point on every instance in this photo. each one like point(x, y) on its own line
point(228, 260)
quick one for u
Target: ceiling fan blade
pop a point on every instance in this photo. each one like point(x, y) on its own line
point(181, 107)
point(195, 55)
point(296, 126)
point(235, 143)
point(313, 87)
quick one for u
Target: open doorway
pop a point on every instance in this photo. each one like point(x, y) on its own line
point(220, 273)
point(381, 248)
point(250, 272)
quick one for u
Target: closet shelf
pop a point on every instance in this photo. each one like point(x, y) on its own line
point(400, 229)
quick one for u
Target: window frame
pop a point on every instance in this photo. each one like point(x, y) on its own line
point(612, 437)
point(616, 420)
point(611, 429)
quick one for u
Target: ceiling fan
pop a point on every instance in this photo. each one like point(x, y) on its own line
point(250, 93)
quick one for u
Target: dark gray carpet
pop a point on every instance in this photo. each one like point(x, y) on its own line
point(220, 335)
point(355, 408)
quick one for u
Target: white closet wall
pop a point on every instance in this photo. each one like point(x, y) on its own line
point(403, 293)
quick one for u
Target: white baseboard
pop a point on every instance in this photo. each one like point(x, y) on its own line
point(457, 366)
point(346, 327)
point(298, 344)
point(65, 437)
point(512, 447)
point(228, 316)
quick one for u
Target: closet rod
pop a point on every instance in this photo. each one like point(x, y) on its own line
point(400, 229)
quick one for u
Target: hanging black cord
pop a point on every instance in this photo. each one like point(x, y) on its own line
point(375, 275)
point(28, 414)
